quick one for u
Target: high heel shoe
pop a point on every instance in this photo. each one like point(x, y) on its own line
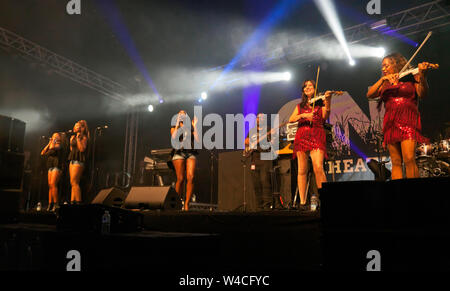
point(50, 207)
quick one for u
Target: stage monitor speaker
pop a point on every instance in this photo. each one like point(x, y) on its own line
point(12, 134)
point(110, 197)
point(164, 197)
point(9, 205)
point(11, 170)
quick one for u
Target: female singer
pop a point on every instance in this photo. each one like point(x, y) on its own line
point(77, 158)
point(401, 125)
point(310, 137)
point(54, 151)
point(184, 160)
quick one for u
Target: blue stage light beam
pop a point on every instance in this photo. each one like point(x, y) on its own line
point(328, 11)
point(280, 11)
point(119, 28)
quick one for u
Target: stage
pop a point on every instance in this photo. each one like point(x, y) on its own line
point(199, 240)
point(354, 219)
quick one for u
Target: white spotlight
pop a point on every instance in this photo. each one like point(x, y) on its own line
point(328, 11)
point(287, 76)
point(150, 108)
point(381, 52)
point(204, 95)
point(352, 62)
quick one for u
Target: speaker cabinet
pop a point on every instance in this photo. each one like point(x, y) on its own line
point(110, 197)
point(12, 134)
point(165, 198)
point(9, 205)
point(11, 170)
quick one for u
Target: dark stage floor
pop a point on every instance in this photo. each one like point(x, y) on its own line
point(355, 218)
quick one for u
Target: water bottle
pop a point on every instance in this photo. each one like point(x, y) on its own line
point(106, 222)
point(39, 206)
point(314, 202)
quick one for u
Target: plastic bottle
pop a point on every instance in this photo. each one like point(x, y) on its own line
point(314, 202)
point(106, 222)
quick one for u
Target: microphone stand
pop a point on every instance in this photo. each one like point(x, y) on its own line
point(93, 170)
point(212, 157)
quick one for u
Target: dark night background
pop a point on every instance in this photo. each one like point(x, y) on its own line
point(181, 35)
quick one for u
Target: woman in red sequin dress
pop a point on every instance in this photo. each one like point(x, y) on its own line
point(401, 125)
point(310, 137)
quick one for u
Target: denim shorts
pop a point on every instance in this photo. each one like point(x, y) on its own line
point(183, 156)
point(75, 162)
point(54, 169)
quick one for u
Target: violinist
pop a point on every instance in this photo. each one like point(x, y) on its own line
point(310, 137)
point(401, 125)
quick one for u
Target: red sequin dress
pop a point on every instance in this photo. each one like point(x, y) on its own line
point(310, 137)
point(402, 118)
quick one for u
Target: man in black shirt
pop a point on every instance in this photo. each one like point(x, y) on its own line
point(257, 143)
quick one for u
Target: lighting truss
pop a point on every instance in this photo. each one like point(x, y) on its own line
point(411, 21)
point(61, 65)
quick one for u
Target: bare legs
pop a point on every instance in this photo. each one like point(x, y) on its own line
point(317, 157)
point(53, 180)
point(302, 159)
point(403, 152)
point(75, 171)
point(180, 166)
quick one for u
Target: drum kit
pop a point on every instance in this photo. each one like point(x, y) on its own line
point(433, 160)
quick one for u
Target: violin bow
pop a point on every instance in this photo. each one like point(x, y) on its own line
point(315, 91)
point(414, 55)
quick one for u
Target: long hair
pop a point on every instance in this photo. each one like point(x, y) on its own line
point(398, 60)
point(304, 101)
point(84, 125)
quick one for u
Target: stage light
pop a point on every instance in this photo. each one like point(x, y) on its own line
point(381, 52)
point(352, 62)
point(379, 24)
point(204, 95)
point(150, 108)
point(287, 76)
point(379, 170)
point(328, 11)
point(161, 101)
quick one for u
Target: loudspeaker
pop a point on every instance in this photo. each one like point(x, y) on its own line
point(153, 198)
point(9, 205)
point(11, 170)
point(110, 197)
point(12, 134)
point(231, 182)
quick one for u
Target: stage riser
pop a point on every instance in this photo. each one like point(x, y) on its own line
point(406, 221)
point(400, 203)
point(399, 250)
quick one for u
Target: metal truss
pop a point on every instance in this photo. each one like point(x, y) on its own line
point(61, 65)
point(424, 17)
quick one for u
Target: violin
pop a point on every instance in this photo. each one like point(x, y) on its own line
point(415, 71)
point(322, 96)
